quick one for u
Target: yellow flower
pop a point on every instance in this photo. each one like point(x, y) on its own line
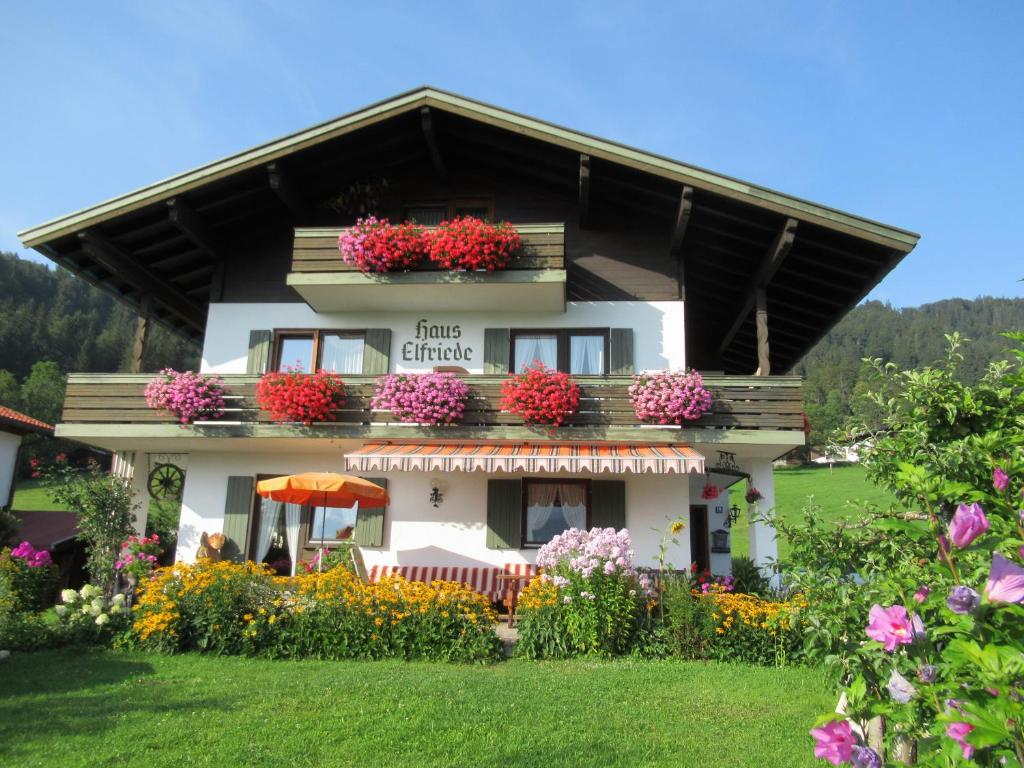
point(677, 526)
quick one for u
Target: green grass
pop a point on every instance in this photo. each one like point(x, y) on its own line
point(74, 708)
point(30, 496)
point(833, 490)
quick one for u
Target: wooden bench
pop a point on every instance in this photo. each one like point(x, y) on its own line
point(484, 580)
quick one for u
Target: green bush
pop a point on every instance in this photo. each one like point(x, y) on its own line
point(25, 587)
point(747, 577)
point(687, 619)
point(25, 631)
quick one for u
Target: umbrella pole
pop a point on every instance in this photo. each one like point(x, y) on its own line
point(323, 523)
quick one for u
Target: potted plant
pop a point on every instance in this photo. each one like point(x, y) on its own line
point(293, 396)
point(669, 397)
point(186, 395)
point(541, 396)
point(422, 398)
point(471, 244)
point(377, 245)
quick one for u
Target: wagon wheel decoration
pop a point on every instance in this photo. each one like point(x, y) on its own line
point(165, 482)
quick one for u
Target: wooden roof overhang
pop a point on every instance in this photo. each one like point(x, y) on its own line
point(162, 248)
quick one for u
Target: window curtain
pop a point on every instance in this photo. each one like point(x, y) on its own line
point(270, 513)
point(540, 502)
point(292, 521)
point(342, 354)
point(530, 349)
point(586, 355)
point(574, 504)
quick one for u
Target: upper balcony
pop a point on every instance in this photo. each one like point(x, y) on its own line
point(109, 410)
point(534, 281)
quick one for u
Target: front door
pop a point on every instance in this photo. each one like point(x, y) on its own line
point(699, 537)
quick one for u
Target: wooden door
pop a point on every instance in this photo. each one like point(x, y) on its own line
point(699, 537)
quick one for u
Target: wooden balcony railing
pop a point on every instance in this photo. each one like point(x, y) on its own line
point(740, 402)
point(316, 249)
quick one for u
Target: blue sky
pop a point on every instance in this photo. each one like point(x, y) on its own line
point(910, 113)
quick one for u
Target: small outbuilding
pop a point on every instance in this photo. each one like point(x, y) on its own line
point(13, 427)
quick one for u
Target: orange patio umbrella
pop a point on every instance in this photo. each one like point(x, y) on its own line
point(323, 489)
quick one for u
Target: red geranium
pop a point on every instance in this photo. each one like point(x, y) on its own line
point(469, 243)
point(377, 245)
point(541, 396)
point(293, 396)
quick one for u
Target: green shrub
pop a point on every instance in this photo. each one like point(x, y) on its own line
point(24, 631)
point(747, 577)
point(88, 617)
point(26, 587)
point(687, 619)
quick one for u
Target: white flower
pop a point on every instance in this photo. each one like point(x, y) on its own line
point(68, 595)
point(102, 619)
point(116, 608)
point(92, 609)
point(60, 610)
point(89, 591)
point(117, 599)
point(98, 603)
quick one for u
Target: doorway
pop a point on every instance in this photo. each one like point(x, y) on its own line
point(699, 537)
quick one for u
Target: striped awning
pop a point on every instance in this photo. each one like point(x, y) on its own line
point(524, 457)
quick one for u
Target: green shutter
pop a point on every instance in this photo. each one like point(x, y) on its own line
point(237, 513)
point(377, 351)
point(369, 530)
point(608, 504)
point(259, 351)
point(504, 514)
point(620, 352)
point(496, 350)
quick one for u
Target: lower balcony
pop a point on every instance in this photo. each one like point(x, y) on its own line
point(110, 411)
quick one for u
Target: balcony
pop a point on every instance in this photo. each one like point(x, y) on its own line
point(109, 410)
point(534, 281)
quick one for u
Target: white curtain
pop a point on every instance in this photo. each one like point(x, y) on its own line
point(531, 349)
point(574, 504)
point(586, 355)
point(342, 354)
point(270, 513)
point(292, 520)
point(540, 503)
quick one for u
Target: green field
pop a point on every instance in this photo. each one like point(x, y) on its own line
point(91, 708)
point(833, 490)
point(30, 496)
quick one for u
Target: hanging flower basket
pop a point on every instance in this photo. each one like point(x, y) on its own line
point(669, 397)
point(753, 495)
point(292, 396)
point(710, 492)
point(186, 395)
point(422, 398)
point(377, 245)
point(541, 396)
point(471, 244)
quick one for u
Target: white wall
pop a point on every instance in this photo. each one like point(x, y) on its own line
point(8, 458)
point(415, 533)
point(658, 329)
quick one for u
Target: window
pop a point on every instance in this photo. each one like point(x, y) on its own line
point(581, 352)
point(430, 214)
point(331, 524)
point(337, 351)
point(552, 507)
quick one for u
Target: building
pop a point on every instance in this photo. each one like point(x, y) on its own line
point(635, 262)
point(13, 427)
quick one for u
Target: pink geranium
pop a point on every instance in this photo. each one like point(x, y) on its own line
point(969, 522)
point(422, 398)
point(1005, 581)
point(834, 742)
point(890, 626)
point(669, 397)
point(186, 395)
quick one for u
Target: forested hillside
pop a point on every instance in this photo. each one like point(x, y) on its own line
point(910, 337)
point(52, 323)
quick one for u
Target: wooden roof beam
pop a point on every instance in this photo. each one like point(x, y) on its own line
point(118, 262)
point(430, 136)
point(679, 229)
point(584, 191)
point(776, 254)
point(281, 185)
point(191, 225)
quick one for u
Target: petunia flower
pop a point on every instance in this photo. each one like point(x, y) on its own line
point(968, 523)
point(890, 626)
point(1005, 582)
point(834, 742)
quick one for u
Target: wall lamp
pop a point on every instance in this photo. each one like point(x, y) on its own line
point(436, 495)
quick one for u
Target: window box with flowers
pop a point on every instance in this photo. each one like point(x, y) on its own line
point(377, 245)
point(422, 398)
point(669, 397)
point(187, 396)
point(291, 396)
point(541, 396)
point(471, 244)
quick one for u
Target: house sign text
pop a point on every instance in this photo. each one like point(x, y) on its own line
point(436, 343)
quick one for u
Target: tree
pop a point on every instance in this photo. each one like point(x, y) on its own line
point(10, 391)
point(42, 392)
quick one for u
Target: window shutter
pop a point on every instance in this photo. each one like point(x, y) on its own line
point(237, 513)
point(369, 531)
point(608, 504)
point(377, 351)
point(496, 350)
point(620, 351)
point(504, 514)
point(259, 351)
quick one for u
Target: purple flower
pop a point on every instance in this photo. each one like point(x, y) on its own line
point(1000, 479)
point(963, 599)
point(901, 689)
point(958, 733)
point(1005, 581)
point(865, 757)
point(922, 593)
point(928, 674)
point(890, 626)
point(968, 523)
point(834, 742)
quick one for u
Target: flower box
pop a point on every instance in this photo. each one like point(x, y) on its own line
point(541, 396)
point(422, 398)
point(293, 396)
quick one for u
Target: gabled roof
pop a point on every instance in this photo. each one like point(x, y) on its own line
point(428, 96)
point(14, 421)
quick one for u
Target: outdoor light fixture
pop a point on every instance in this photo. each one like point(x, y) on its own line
point(436, 497)
point(734, 515)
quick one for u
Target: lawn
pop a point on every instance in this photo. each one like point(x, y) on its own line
point(30, 496)
point(75, 708)
point(832, 489)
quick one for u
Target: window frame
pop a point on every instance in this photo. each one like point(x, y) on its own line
point(318, 335)
point(563, 343)
point(523, 543)
point(451, 205)
point(309, 517)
